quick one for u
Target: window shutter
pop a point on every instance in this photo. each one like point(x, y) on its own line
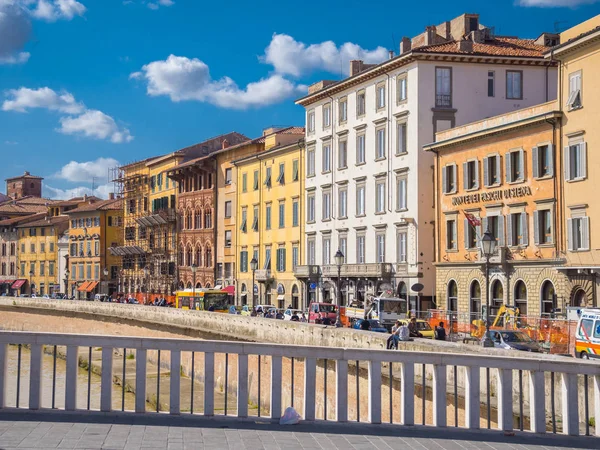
point(536, 227)
point(507, 161)
point(524, 228)
point(283, 252)
point(550, 159)
point(585, 233)
point(454, 236)
point(466, 233)
point(534, 159)
point(583, 159)
point(486, 172)
point(570, 234)
point(455, 170)
point(444, 180)
point(567, 163)
point(509, 233)
point(522, 168)
point(501, 231)
point(465, 175)
point(477, 174)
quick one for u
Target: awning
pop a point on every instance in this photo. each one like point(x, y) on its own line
point(91, 286)
point(7, 281)
point(230, 289)
point(83, 287)
point(17, 284)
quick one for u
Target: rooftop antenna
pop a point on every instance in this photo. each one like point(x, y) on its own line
point(394, 42)
point(94, 184)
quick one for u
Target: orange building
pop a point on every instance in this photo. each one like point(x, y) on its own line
point(502, 173)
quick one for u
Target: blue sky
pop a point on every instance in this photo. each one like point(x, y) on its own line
point(87, 84)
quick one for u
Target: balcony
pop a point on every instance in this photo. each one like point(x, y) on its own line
point(443, 101)
point(377, 270)
point(499, 256)
point(263, 275)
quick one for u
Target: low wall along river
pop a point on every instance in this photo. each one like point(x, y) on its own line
point(136, 320)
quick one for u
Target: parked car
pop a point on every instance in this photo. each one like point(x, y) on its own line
point(374, 325)
point(514, 340)
point(46, 296)
point(423, 327)
point(287, 315)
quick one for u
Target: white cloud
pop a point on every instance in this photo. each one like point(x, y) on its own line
point(15, 29)
point(101, 191)
point(52, 11)
point(291, 57)
point(95, 124)
point(77, 118)
point(11, 143)
point(77, 172)
point(555, 3)
point(157, 4)
point(18, 58)
point(182, 78)
point(25, 98)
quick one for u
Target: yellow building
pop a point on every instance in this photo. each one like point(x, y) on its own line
point(270, 225)
point(38, 255)
point(94, 228)
point(579, 98)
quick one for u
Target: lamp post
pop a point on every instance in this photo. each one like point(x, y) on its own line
point(105, 272)
point(146, 278)
point(339, 260)
point(488, 245)
point(67, 273)
point(253, 267)
point(30, 286)
point(194, 270)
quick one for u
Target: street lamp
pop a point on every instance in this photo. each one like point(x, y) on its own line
point(67, 273)
point(30, 287)
point(147, 281)
point(105, 272)
point(194, 270)
point(339, 260)
point(253, 267)
point(488, 245)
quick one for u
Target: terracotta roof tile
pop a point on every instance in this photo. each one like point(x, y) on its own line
point(104, 205)
point(497, 46)
point(46, 221)
point(21, 219)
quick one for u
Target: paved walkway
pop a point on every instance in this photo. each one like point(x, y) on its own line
point(23, 430)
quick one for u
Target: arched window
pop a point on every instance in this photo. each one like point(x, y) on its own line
point(189, 257)
point(189, 285)
point(198, 219)
point(295, 297)
point(475, 292)
point(452, 301)
point(188, 220)
point(497, 296)
point(198, 285)
point(579, 298)
point(207, 286)
point(180, 256)
point(521, 297)
point(208, 218)
point(548, 298)
point(402, 290)
point(208, 258)
point(198, 257)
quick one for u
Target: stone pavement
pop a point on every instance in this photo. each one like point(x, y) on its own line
point(26, 430)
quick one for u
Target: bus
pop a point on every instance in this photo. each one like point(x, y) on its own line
point(202, 299)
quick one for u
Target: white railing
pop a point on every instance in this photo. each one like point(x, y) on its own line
point(359, 382)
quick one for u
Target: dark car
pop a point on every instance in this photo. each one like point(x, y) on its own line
point(514, 340)
point(374, 325)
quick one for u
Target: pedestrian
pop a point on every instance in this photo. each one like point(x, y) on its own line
point(392, 341)
point(439, 332)
point(365, 325)
point(412, 328)
point(303, 318)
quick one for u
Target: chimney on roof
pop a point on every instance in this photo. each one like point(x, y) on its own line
point(356, 66)
point(479, 36)
point(405, 45)
point(225, 144)
point(465, 46)
point(85, 197)
point(26, 174)
point(391, 54)
point(430, 34)
point(111, 196)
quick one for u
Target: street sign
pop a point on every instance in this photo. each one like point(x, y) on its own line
point(417, 287)
point(313, 285)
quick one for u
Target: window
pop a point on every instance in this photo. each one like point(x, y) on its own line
point(576, 161)
point(327, 115)
point(310, 162)
point(380, 143)
point(471, 235)
point(343, 109)
point(496, 226)
point(281, 176)
point(380, 237)
point(360, 249)
point(227, 238)
point(310, 120)
point(88, 271)
point(402, 88)
point(578, 233)
point(326, 251)
point(243, 226)
point(255, 180)
point(514, 84)
point(227, 209)
point(295, 212)
point(443, 87)
point(491, 170)
point(543, 161)
point(22, 248)
point(343, 247)
point(281, 259)
point(360, 200)
point(401, 138)
point(343, 203)
point(451, 234)
point(380, 197)
point(281, 215)
point(327, 158)
point(542, 227)
point(295, 256)
point(267, 265)
point(343, 154)
point(471, 174)
point(310, 251)
point(22, 269)
point(310, 208)
point(244, 261)
point(245, 182)
point(401, 204)
point(268, 217)
point(255, 219)
point(32, 248)
point(96, 248)
point(401, 252)
point(42, 247)
point(360, 103)
point(517, 230)
point(491, 85)
point(268, 178)
point(360, 149)
point(574, 100)
point(515, 166)
point(42, 268)
point(326, 205)
point(295, 175)
point(208, 219)
point(381, 96)
point(449, 179)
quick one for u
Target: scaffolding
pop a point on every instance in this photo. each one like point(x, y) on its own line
point(149, 267)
